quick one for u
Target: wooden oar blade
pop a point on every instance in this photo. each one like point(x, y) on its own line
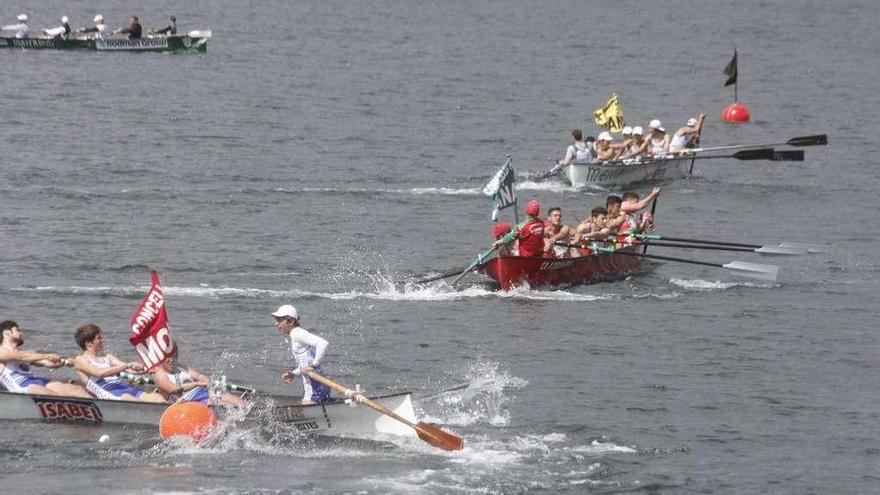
point(439, 438)
point(788, 156)
point(758, 154)
point(817, 140)
point(753, 270)
point(781, 251)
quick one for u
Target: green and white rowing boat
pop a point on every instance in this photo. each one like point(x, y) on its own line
point(192, 42)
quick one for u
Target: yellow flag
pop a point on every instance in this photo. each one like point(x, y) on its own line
point(610, 116)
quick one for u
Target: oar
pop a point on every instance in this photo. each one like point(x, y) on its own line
point(145, 380)
point(781, 249)
point(815, 140)
point(771, 251)
point(757, 154)
point(479, 261)
point(742, 268)
point(550, 173)
point(427, 432)
point(788, 156)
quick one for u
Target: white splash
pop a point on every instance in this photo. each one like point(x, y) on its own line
point(706, 285)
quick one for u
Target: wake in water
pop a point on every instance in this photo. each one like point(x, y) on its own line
point(706, 285)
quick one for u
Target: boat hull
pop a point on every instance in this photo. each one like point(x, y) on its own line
point(179, 44)
point(514, 271)
point(607, 176)
point(334, 418)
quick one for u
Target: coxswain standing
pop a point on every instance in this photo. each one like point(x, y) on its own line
point(133, 30)
point(61, 32)
point(22, 30)
point(15, 364)
point(100, 29)
point(530, 233)
point(308, 349)
point(169, 30)
point(577, 152)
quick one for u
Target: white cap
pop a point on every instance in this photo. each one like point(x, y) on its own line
point(64, 19)
point(98, 17)
point(627, 131)
point(638, 131)
point(655, 124)
point(692, 122)
point(22, 17)
point(604, 136)
point(286, 311)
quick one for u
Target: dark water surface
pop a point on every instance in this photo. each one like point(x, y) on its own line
point(324, 153)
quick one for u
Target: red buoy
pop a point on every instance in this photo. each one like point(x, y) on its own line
point(735, 113)
point(189, 419)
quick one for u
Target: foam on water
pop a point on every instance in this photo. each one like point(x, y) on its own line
point(707, 285)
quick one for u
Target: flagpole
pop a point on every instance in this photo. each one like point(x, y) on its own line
point(515, 205)
point(735, 84)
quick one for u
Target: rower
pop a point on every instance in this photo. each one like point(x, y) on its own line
point(630, 208)
point(99, 371)
point(613, 217)
point(592, 228)
point(498, 232)
point(61, 32)
point(577, 152)
point(22, 30)
point(307, 349)
point(100, 29)
point(169, 30)
point(133, 30)
point(604, 151)
point(638, 146)
point(686, 137)
point(15, 367)
point(530, 233)
point(621, 147)
point(555, 230)
point(658, 140)
point(178, 382)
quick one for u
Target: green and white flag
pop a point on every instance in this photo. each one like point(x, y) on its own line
point(502, 188)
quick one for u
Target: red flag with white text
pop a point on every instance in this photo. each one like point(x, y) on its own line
point(150, 331)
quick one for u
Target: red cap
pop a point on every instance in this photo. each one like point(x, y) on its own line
point(533, 209)
point(500, 229)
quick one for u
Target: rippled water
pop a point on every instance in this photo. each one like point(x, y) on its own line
point(329, 153)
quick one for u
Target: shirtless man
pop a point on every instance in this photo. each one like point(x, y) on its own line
point(621, 147)
point(604, 151)
point(630, 209)
point(555, 230)
point(15, 363)
point(99, 371)
point(613, 217)
point(178, 382)
point(686, 137)
point(658, 140)
point(592, 228)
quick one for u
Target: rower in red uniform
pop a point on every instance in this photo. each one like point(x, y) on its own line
point(500, 231)
point(530, 233)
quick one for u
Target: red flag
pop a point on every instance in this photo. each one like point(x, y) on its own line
point(150, 332)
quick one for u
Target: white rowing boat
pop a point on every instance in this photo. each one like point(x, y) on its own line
point(335, 418)
point(619, 173)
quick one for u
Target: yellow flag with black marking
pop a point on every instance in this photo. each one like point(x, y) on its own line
point(610, 116)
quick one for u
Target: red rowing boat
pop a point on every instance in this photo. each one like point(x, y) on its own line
point(513, 271)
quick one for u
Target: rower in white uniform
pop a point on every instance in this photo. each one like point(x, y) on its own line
point(101, 30)
point(22, 30)
point(687, 136)
point(61, 32)
point(178, 382)
point(658, 140)
point(99, 371)
point(15, 365)
point(307, 350)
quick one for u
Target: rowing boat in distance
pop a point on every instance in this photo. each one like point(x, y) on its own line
point(619, 173)
point(335, 418)
point(514, 271)
point(192, 42)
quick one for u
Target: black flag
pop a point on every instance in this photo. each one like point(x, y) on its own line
point(730, 70)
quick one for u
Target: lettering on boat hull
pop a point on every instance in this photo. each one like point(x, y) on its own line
point(68, 410)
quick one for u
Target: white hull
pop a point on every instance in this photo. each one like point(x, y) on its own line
point(334, 418)
point(628, 172)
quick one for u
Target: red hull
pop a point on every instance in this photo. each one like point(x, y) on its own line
point(512, 271)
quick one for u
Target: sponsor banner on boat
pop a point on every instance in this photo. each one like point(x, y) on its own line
point(84, 411)
point(32, 43)
point(129, 45)
point(297, 417)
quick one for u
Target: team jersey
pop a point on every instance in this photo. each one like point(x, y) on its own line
point(110, 387)
point(16, 377)
point(531, 238)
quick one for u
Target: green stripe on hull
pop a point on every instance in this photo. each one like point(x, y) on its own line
point(178, 44)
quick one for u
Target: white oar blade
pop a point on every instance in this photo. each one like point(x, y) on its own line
point(753, 270)
point(781, 251)
point(811, 248)
point(205, 33)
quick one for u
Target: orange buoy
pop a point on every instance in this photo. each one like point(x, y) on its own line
point(735, 113)
point(189, 419)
